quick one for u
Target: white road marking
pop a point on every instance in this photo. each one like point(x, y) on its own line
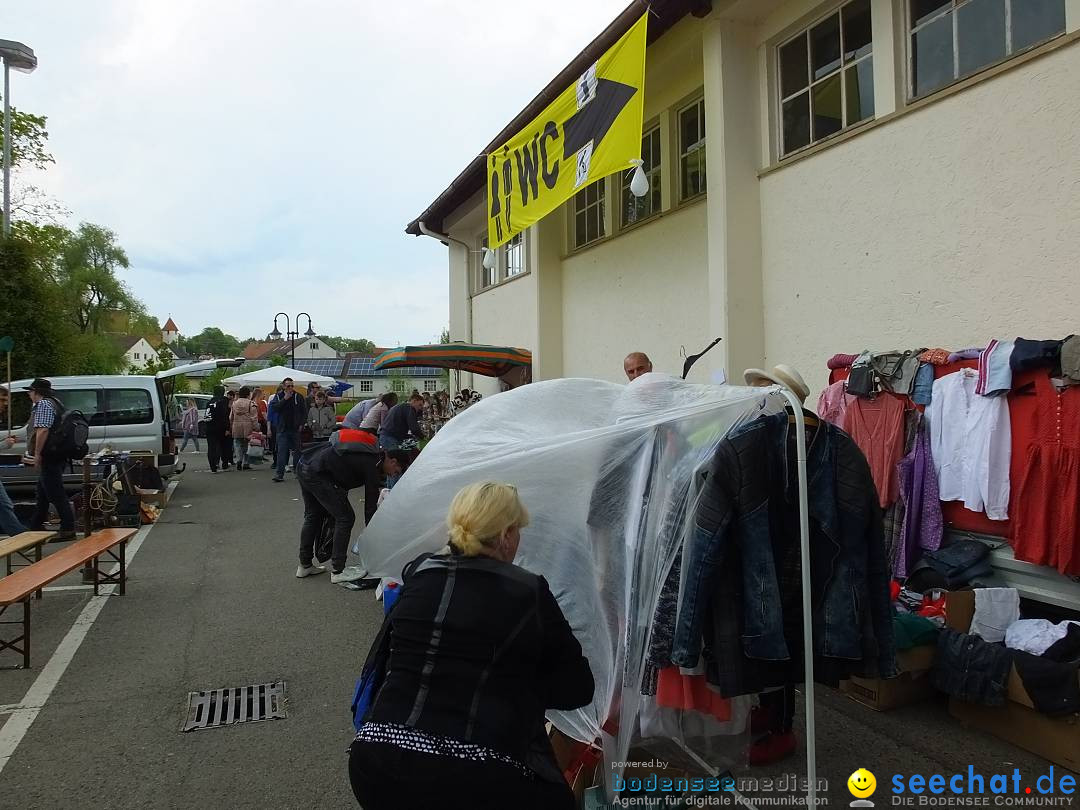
point(52, 588)
point(26, 711)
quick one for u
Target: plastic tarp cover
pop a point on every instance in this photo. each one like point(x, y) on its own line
point(610, 474)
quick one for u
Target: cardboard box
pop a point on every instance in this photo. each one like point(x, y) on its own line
point(157, 497)
point(911, 686)
point(1056, 739)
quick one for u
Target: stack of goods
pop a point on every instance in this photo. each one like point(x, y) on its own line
point(994, 429)
point(975, 666)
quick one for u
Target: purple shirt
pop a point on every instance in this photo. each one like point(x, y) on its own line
point(923, 522)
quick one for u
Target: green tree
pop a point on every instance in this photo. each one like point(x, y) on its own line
point(343, 344)
point(214, 378)
point(29, 140)
point(214, 342)
point(43, 345)
point(89, 285)
point(444, 335)
point(278, 360)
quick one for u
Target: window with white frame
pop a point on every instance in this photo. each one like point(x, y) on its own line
point(513, 258)
point(589, 222)
point(692, 150)
point(952, 39)
point(367, 386)
point(826, 77)
point(314, 346)
point(431, 386)
point(398, 385)
point(635, 209)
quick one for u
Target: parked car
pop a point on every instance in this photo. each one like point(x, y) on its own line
point(126, 412)
point(176, 412)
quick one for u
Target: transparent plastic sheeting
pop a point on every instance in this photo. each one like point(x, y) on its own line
point(610, 475)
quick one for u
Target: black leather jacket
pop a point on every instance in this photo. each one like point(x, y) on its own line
point(479, 651)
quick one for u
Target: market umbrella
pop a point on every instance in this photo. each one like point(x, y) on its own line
point(488, 361)
point(269, 377)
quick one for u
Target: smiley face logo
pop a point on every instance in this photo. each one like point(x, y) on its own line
point(862, 784)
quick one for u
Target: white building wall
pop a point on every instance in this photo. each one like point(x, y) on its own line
point(947, 226)
point(505, 316)
point(645, 290)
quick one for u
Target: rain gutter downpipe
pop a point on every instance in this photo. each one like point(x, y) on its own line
point(446, 239)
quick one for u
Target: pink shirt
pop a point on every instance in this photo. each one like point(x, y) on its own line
point(833, 402)
point(877, 426)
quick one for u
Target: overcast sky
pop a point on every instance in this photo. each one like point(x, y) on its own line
point(261, 155)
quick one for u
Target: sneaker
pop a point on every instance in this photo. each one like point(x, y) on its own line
point(288, 468)
point(773, 747)
point(309, 570)
point(350, 573)
point(277, 480)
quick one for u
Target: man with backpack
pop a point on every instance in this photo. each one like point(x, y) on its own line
point(50, 458)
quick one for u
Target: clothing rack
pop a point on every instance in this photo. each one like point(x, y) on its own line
point(808, 640)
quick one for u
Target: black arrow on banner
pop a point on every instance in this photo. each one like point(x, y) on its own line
point(592, 121)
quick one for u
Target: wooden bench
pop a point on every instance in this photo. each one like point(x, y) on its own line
point(21, 585)
point(20, 544)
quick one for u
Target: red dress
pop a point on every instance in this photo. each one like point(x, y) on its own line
point(1047, 518)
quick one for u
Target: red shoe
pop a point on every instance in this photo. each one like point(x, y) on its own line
point(773, 747)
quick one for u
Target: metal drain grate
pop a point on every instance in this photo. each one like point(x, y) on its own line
point(242, 704)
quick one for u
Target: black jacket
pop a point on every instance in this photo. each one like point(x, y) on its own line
point(479, 651)
point(400, 421)
point(747, 521)
point(344, 469)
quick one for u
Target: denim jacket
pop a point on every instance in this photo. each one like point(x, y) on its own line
point(735, 523)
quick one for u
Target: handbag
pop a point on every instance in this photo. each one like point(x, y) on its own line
point(371, 676)
point(374, 672)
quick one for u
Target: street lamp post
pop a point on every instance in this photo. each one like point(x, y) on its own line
point(291, 333)
point(18, 56)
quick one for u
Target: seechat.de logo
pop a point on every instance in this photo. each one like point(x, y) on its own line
point(862, 785)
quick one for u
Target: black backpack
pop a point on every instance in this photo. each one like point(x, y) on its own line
point(69, 435)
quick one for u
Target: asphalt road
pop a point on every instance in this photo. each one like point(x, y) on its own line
point(212, 602)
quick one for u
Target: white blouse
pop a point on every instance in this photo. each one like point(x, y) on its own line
point(971, 442)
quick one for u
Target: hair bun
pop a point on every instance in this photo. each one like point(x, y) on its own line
point(464, 541)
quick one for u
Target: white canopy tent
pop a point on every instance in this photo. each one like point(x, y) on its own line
point(271, 378)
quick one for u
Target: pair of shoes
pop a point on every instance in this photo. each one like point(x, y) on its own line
point(350, 573)
point(213, 470)
point(277, 480)
point(773, 747)
point(309, 570)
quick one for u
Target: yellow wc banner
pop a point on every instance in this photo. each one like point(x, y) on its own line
point(591, 130)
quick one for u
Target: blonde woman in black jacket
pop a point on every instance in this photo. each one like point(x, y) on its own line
point(479, 651)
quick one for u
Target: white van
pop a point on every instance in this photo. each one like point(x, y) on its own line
point(126, 411)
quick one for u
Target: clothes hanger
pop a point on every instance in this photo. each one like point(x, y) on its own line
point(810, 419)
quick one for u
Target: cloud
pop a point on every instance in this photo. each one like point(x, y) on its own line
point(260, 156)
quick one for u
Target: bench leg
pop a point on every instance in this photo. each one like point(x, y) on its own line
point(14, 643)
point(37, 558)
point(123, 567)
point(97, 575)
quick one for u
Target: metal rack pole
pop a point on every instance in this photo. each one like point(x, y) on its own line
point(808, 639)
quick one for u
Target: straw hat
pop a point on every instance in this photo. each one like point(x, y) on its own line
point(781, 375)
